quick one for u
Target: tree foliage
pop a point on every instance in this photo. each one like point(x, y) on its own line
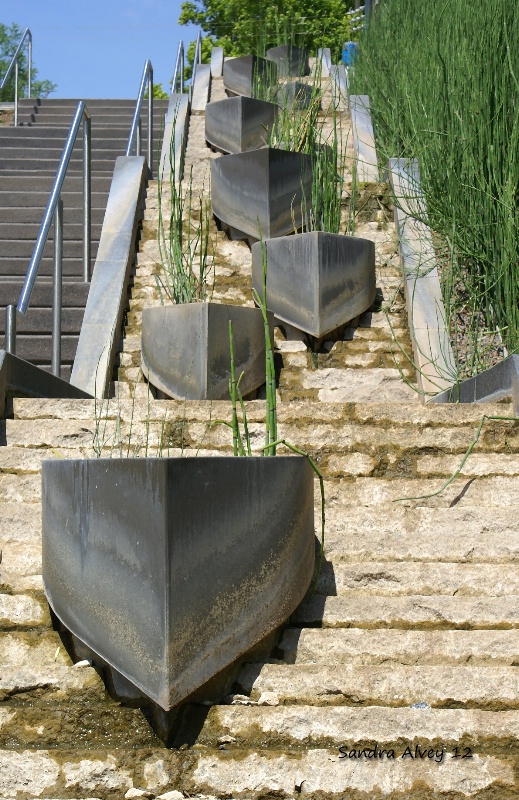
point(249, 26)
point(10, 36)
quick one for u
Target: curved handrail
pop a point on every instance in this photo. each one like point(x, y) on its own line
point(135, 131)
point(53, 210)
point(14, 63)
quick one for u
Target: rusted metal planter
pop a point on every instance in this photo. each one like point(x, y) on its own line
point(244, 74)
point(291, 62)
point(239, 124)
point(317, 281)
point(185, 349)
point(171, 568)
point(262, 188)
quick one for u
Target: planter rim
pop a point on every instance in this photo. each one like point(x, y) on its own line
point(191, 459)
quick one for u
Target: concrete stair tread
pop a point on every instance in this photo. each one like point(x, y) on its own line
point(54, 682)
point(109, 726)
point(492, 688)
point(75, 293)
point(393, 647)
point(88, 770)
point(320, 773)
point(426, 578)
point(410, 611)
point(293, 726)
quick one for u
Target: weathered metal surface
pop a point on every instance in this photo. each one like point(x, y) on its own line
point(201, 88)
point(185, 349)
point(294, 94)
point(340, 87)
point(316, 281)
point(291, 62)
point(171, 568)
point(242, 75)
point(261, 189)
point(175, 136)
point(239, 123)
point(428, 325)
point(20, 378)
point(499, 382)
point(217, 57)
point(324, 61)
point(101, 329)
point(363, 139)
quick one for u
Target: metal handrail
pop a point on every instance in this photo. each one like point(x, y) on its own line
point(178, 75)
point(54, 211)
point(135, 130)
point(196, 61)
point(14, 63)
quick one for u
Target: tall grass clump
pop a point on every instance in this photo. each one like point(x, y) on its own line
point(303, 130)
point(184, 239)
point(443, 82)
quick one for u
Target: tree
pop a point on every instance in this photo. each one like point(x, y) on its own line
point(10, 36)
point(250, 26)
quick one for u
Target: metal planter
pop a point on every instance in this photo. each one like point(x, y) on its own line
point(171, 568)
point(291, 62)
point(185, 349)
point(244, 75)
point(239, 124)
point(296, 95)
point(262, 188)
point(316, 281)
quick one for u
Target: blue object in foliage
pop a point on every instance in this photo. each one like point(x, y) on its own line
point(349, 52)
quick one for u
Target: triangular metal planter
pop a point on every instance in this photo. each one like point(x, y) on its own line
point(185, 349)
point(291, 62)
point(261, 190)
point(296, 95)
point(241, 74)
point(239, 124)
point(171, 568)
point(316, 282)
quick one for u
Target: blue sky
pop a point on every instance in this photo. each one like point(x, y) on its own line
point(97, 48)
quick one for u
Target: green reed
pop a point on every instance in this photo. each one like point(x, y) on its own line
point(184, 238)
point(443, 82)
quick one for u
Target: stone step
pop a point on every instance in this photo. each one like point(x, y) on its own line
point(392, 647)
point(360, 727)
point(383, 415)
point(423, 534)
point(410, 612)
point(31, 649)
point(50, 727)
point(490, 688)
point(429, 578)
point(20, 568)
point(22, 611)
point(21, 523)
point(321, 773)
point(97, 772)
point(53, 683)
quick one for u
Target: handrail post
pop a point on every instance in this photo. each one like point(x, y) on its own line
point(87, 195)
point(182, 68)
point(138, 139)
point(150, 120)
point(16, 94)
point(10, 329)
point(57, 289)
point(29, 66)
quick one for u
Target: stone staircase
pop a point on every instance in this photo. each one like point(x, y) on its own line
point(410, 640)
point(29, 157)
point(409, 644)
